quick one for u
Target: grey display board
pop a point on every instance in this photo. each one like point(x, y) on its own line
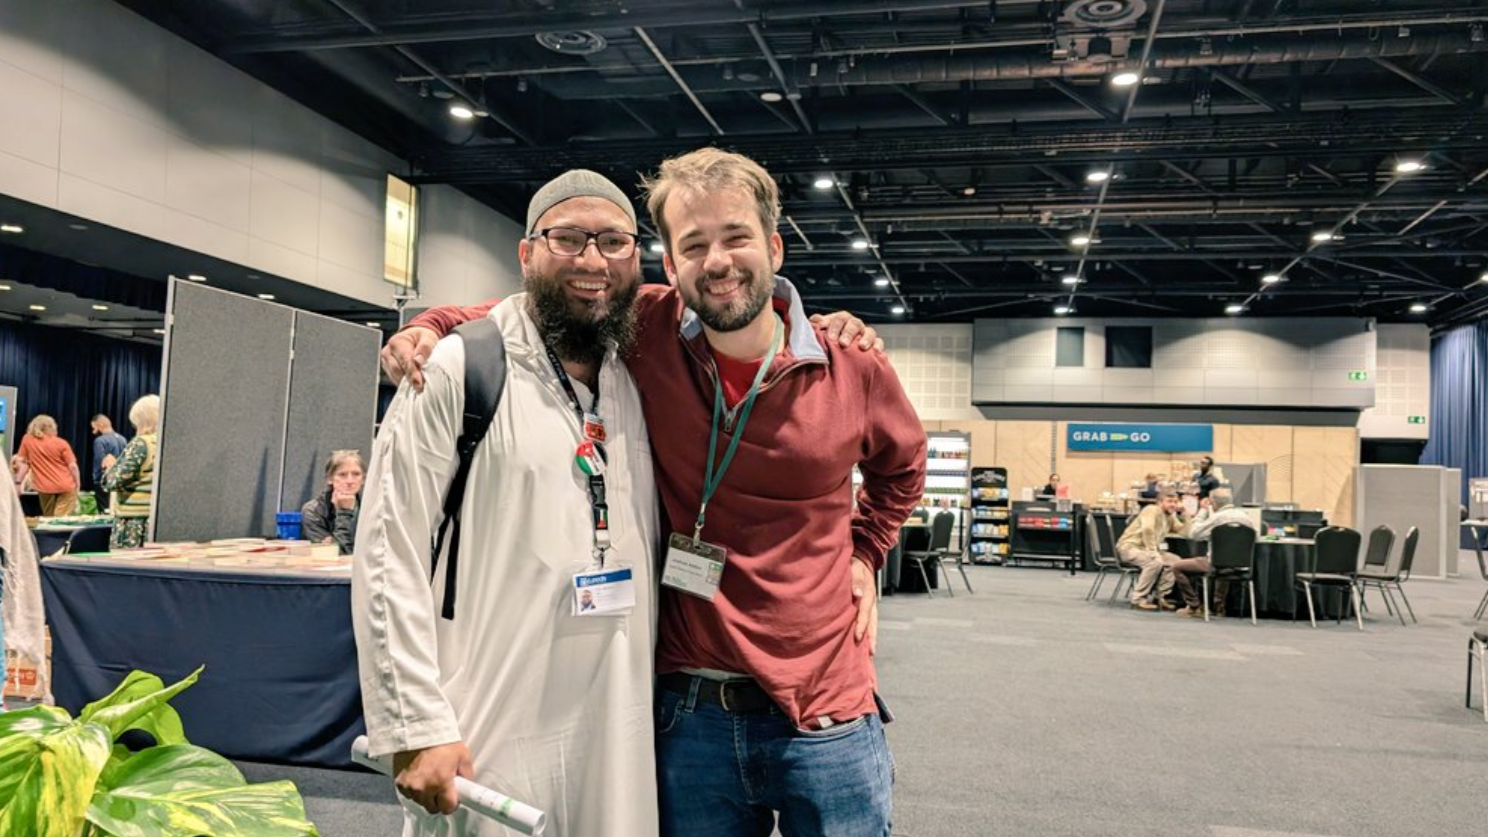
point(1402, 496)
point(332, 400)
point(254, 394)
point(1247, 481)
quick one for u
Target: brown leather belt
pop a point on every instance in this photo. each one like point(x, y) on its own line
point(738, 697)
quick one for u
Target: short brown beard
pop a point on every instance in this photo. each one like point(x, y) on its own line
point(760, 290)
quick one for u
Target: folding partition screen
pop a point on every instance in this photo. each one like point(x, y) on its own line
point(254, 395)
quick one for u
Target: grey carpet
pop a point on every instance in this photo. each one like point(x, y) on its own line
point(1023, 710)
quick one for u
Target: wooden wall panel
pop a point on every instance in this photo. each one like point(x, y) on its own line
point(983, 440)
point(1025, 448)
point(1221, 451)
point(1324, 466)
point(1087, 474)
point(1270, 445)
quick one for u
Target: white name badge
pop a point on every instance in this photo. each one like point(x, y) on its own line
point(694, 567)
point(604, 592)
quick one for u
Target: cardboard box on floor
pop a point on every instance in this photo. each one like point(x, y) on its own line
point(25, 681)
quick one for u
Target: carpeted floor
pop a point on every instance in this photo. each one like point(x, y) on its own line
point(1026, 711)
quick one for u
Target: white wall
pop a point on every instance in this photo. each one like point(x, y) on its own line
point(1292, 363)
point(934, 365)
point(467, 252)
point(106, 116)
point(1403, 383)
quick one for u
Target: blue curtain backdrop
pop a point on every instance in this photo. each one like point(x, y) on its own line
point(72, 376)
point(1459, 402)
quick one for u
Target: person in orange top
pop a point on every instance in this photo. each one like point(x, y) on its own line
point(53, 468)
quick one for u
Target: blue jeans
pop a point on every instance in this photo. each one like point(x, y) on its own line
point(725, 775)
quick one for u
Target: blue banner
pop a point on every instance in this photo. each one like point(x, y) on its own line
point(1167, 438)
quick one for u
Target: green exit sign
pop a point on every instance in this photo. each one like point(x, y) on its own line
point(1358, 376)
point(1415, 420)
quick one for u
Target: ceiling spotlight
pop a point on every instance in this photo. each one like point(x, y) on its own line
point(1410, 166)
point(657, 247)
point(100, 307)
point(158, 330)
point(1483, 278)
point(897, 310)
point(377, 323)
point(37, 307)
point(969, 191)
point(1126, 79)
point(1271, 278)
point(823, 183)
point(1322, 236)
point(196, 277)
point(78, 227)
point(860, 244)
point(1416, 308)
point(1070, 279)
point(1097, 176)
point(460, 110)
point(1062, 310)
point(1234, 308)
point(4, 287)
point(771, 96)
point(883, 281)
point(14, 229)
point(266, 296)
point(1080, 240)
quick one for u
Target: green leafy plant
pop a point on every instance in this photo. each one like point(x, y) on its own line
point(69, 777)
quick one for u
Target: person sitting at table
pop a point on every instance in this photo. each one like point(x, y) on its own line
point(1144, 543)
point(331, 517)
point(131, 477)
point(1052, 489)
point(1216, 510)
point(49, 461)
point(1149, 492)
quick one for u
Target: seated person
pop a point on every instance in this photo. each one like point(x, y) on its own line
point(332, 516)
point(1052, 489)
point(1144, 543)
point(1149, 492)
point(1216, 510)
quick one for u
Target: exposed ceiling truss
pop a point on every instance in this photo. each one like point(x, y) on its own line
point(959, 136)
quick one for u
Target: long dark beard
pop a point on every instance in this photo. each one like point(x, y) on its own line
point(580, 337)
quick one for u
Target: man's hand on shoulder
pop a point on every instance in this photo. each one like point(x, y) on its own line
point(844, 328)
point(406, 353)
point(427, 776)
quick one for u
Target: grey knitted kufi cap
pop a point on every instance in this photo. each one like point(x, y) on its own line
point(576, 183)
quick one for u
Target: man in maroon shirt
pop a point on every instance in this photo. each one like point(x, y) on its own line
point(766, 692)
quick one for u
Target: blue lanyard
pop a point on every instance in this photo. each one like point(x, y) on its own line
point(714, 476)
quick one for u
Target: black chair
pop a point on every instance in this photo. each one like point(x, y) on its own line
point(1477, 645)
point(1395, 571)
point(1232, 558)
point(1106, 559)
point(1335, 563)
point(1377, 556)
point(940, 543)
point(1477, 540)
point(88, 539)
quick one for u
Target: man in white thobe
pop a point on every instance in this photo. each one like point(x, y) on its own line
point(523, 690)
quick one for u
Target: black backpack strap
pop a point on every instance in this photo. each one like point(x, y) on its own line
point(485, 378)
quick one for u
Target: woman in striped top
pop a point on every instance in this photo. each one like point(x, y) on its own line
point(131, 478)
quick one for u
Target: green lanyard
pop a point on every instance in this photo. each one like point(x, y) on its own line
point(714, 476)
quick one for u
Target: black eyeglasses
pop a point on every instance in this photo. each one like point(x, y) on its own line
point(571, 241)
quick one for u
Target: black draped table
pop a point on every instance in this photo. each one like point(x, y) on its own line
point(1277, 563)
point(280, 683)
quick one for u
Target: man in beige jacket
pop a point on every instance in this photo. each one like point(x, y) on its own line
point(1144, 543)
